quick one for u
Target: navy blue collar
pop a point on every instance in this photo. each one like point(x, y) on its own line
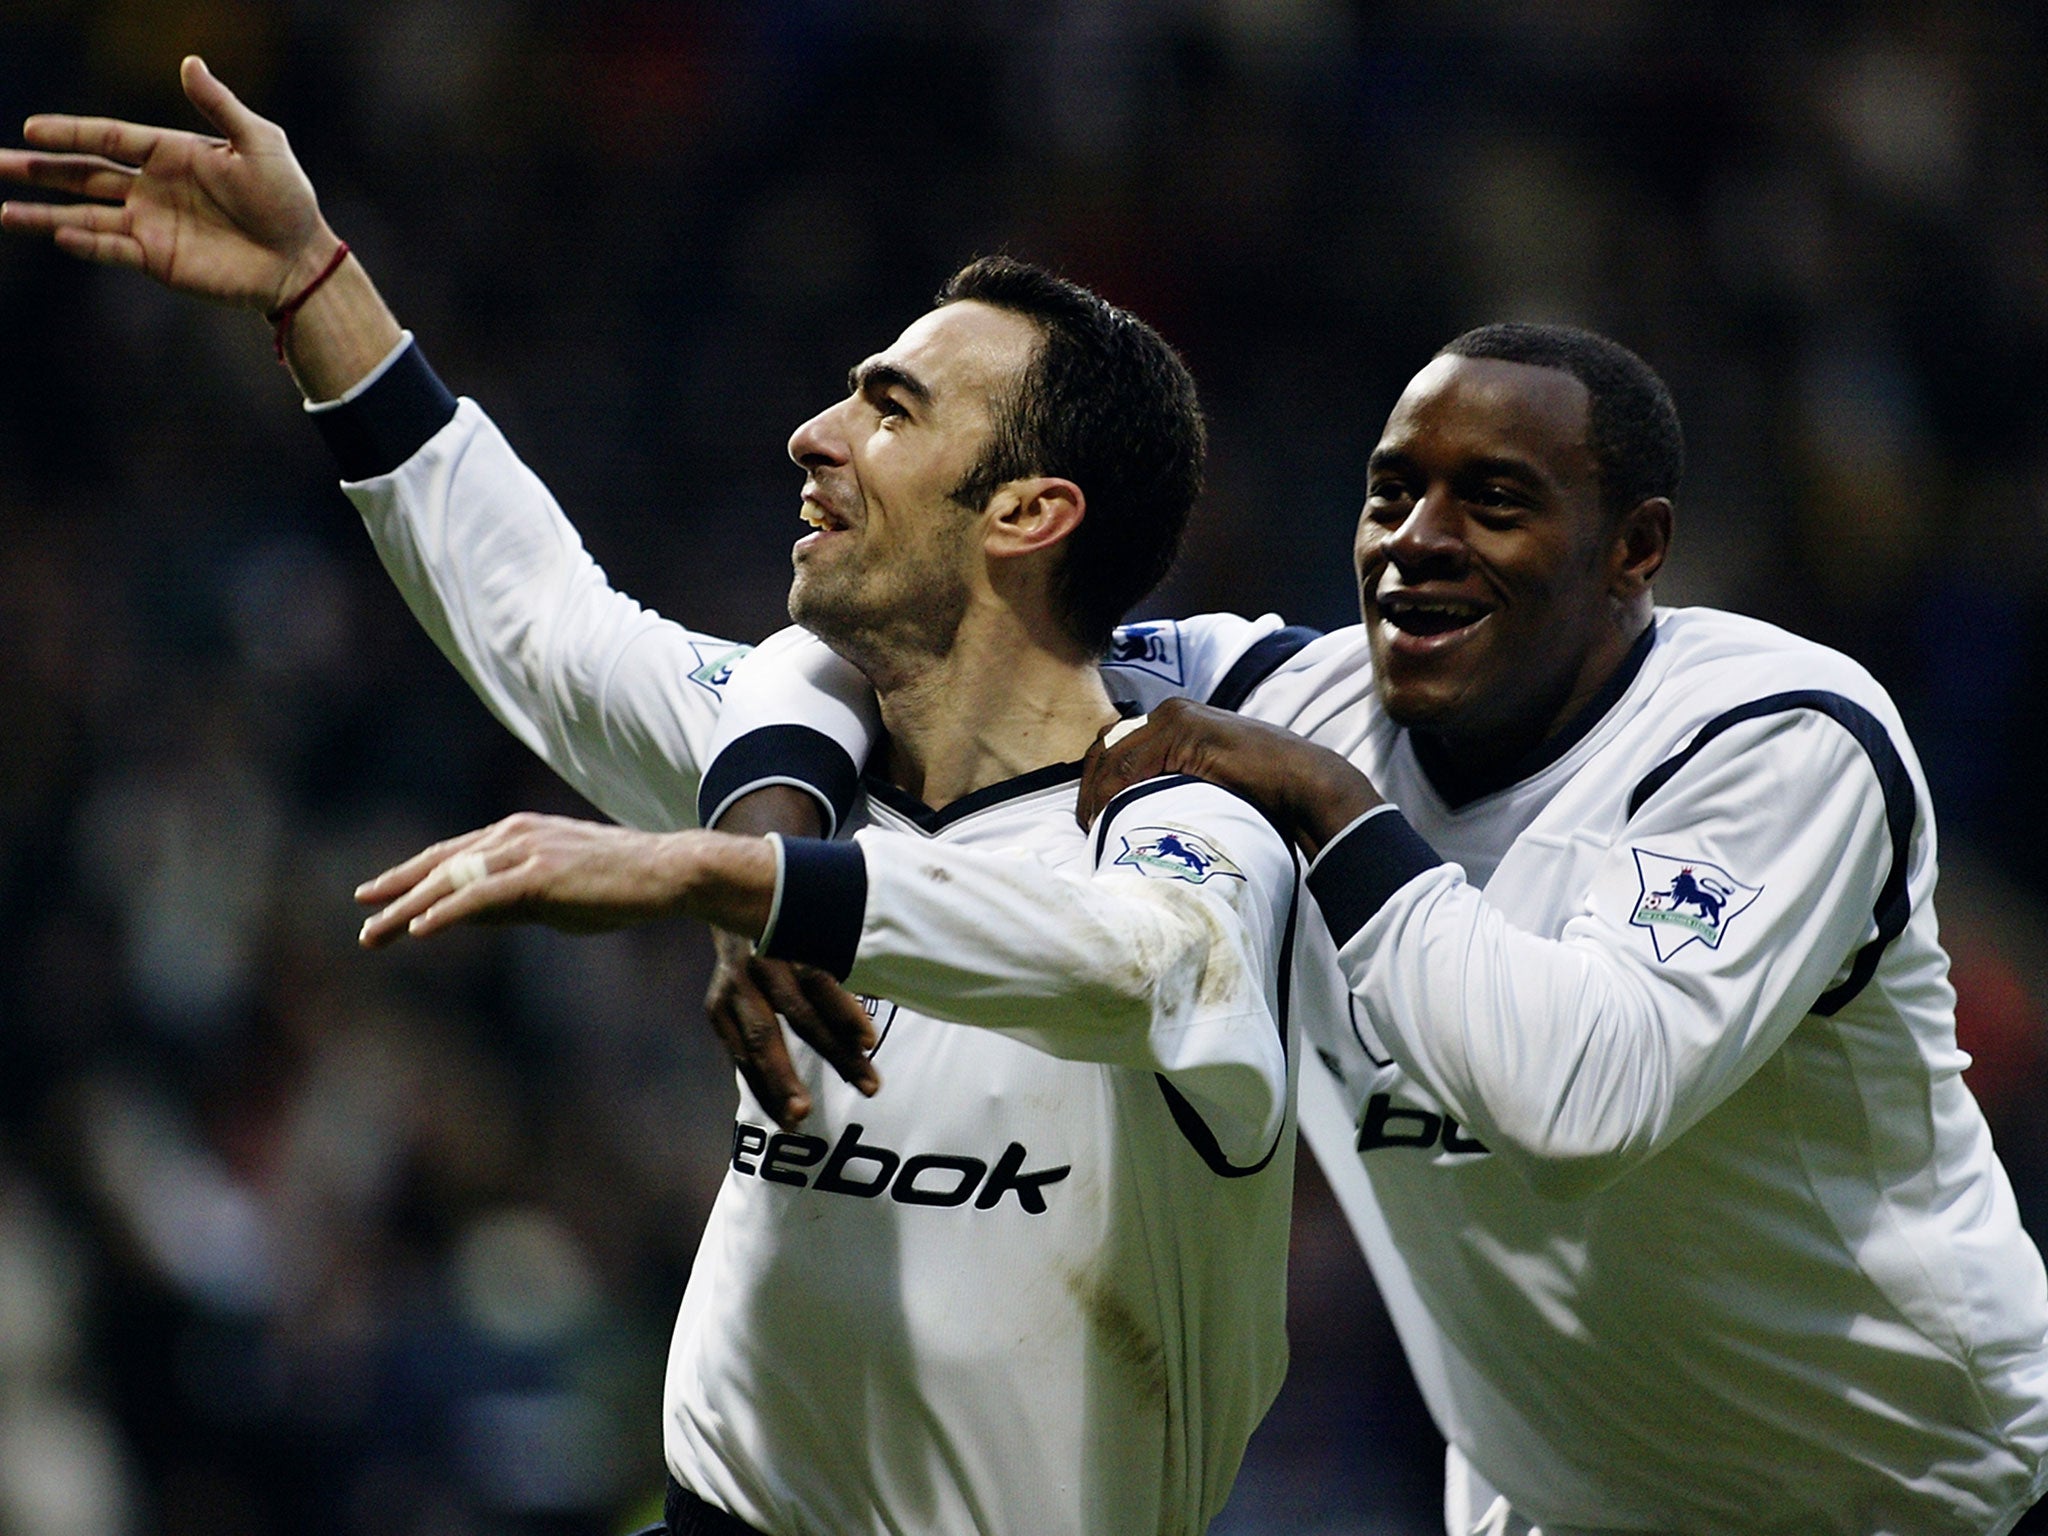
point(907, 804)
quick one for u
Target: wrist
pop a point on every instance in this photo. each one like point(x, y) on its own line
point(721, 879)
point(304, 266)
point(341, 332)
point(1324, 797)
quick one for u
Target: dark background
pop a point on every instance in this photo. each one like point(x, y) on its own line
point(291, 1236)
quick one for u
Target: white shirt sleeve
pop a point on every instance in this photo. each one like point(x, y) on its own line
point(619, 701)
point(1736, 896)
point(795, 713)
point(1197, 658)
point(1166, 958)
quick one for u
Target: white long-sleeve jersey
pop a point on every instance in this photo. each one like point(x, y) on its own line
point(1638, 1080)
point(1741, 1257)
point(1037, 1286)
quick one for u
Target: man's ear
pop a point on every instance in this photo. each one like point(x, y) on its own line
point(1032, 515)
point(1642, 538)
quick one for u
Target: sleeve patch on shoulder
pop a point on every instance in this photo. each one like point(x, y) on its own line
point(1686, 899)
point(717, 672)
point(1153, 648)
point(1168, 853)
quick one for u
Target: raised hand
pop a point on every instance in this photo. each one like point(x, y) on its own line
point(1310, 792)
point(232, 218)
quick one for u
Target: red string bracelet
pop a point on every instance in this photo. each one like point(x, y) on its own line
point(281, 317)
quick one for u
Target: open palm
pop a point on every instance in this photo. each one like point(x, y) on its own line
point(232, 218)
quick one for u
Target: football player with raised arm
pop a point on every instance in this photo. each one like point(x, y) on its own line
point(1637, 1071)
point(1040, 1287)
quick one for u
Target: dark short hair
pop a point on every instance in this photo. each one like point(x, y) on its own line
point(1632, 423)
point(1107, 404)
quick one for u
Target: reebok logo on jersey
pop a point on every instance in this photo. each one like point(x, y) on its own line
point(717, 672)
point(854, 1167)
point(1153, 648)
point(1166, 853)
point(1686, 899)
point(1383, 1123)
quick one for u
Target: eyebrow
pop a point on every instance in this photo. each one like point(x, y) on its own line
point(1506, 468)
point(874, 378)
point(1509, 469)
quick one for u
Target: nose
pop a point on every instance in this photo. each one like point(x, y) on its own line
point(821, 441)
point(1430, 537)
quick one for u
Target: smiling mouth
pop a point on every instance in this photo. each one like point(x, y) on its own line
point(1423, 619)
point(822, 518)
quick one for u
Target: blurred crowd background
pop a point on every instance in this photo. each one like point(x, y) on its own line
point(296, 1237)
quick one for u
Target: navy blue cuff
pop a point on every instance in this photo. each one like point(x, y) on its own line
point(1355, 875)
point(390, 421)
point(781, 754)
point(824, 900)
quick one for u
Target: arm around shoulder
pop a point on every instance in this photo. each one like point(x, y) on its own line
point(1733, 900)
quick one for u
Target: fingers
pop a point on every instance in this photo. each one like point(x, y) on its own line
point(1111, 767)
point(824, 1016)
point(88, 218)
point(846, 1015)
point(107, 250)
point(745, 1023)
point(1087, 804)
point(435, 887)
point(403, 877)
point(463, 897)
point(216, 103)
point(93, 231)
point(458, 889)
point(81, 175)
point(129, 143)
point(395, 919)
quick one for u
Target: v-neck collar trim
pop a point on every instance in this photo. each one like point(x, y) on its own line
point(909, 806)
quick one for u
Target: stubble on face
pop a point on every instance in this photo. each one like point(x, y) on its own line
point(884, 614)
point(889, 580)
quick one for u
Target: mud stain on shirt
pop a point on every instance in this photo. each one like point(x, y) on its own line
point(1121, 1335)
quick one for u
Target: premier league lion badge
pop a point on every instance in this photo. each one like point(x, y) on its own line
point(1167, 853)
point(1153, 648)
point(717, 672)
point(1686, 899)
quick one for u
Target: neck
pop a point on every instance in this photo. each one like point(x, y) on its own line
point(1001, 702)
point(1467, 766)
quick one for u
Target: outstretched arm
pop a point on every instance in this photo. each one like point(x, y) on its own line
point(232, 219)
point(583, 876)
point(1166, 957)
point(617, 700)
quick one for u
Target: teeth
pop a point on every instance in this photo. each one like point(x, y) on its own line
point(1430, 605)
point(1429, 615)
point(813, 516)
